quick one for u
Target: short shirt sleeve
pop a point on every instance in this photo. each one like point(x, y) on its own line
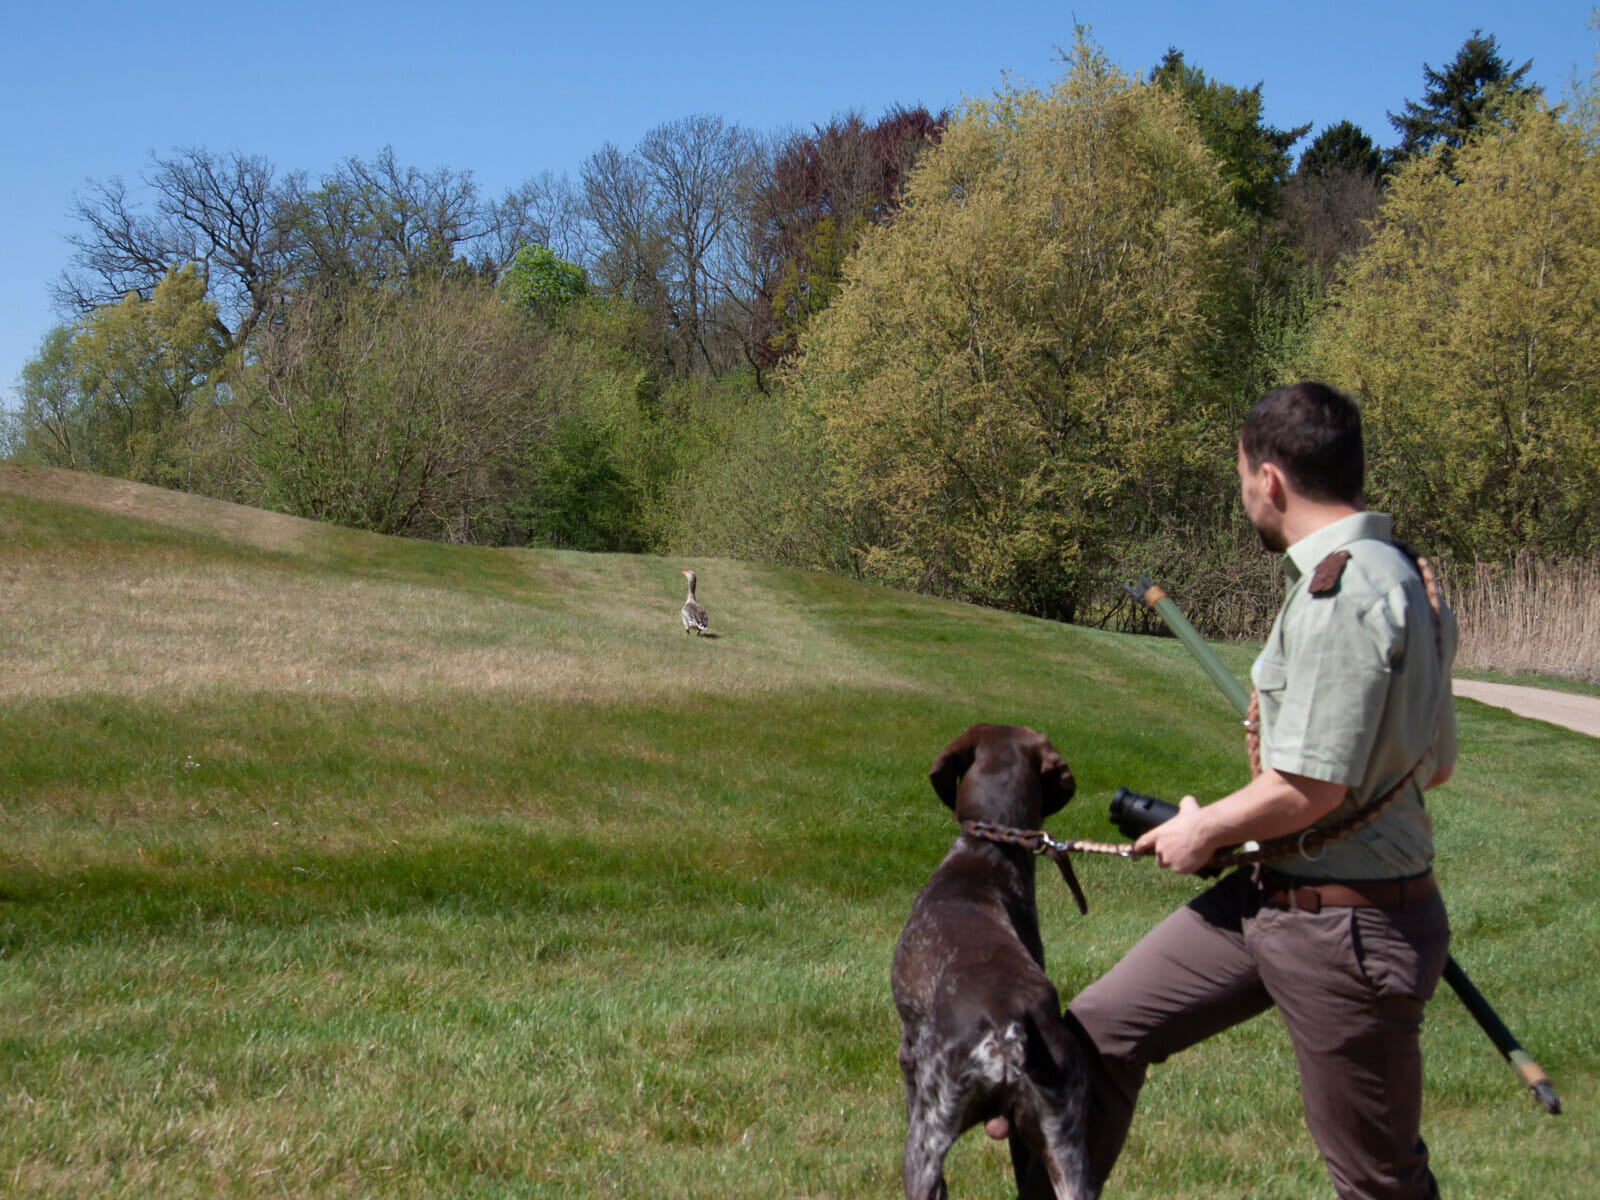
point(1323, 683)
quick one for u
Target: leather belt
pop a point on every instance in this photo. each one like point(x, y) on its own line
point(1281, 891)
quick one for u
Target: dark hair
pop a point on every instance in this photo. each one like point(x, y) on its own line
point(1313, 433)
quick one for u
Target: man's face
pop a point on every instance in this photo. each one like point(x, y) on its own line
point(1255, 492)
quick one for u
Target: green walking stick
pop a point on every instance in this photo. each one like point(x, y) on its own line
point(1521, 1062)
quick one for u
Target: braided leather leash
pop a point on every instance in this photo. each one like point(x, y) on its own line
point(1037, 841)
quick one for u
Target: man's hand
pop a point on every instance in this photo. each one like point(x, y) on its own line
point(1181, 844)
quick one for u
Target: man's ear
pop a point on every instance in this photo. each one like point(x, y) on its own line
point(1274, 483)
point(953, 762)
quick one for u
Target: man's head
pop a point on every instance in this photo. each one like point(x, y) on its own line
point(1301, 446)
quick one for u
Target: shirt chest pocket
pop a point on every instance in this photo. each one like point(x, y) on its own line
point(1272, 682)
point(1269, 675)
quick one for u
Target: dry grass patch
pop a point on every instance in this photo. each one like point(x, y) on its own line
point(236, 523)
point(173, 623)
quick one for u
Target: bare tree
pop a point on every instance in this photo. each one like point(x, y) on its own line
point(752, 262)
point(380, 222)
point(419, 219)
point(545, 211)
point(1331, 215)
point(822, 190)
point(629, 259)
point(670, 225)
point(258, 238)
point(698, 168)
point(217, 211)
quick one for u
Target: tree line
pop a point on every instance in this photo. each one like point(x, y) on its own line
point(998, 353)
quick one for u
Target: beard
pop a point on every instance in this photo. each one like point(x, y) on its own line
point(1272, 539)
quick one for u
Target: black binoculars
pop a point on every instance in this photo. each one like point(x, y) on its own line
point(1133, 813)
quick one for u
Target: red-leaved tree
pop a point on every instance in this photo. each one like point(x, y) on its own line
point(827, 187)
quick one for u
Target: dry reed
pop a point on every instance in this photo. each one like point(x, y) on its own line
point(1528, 617)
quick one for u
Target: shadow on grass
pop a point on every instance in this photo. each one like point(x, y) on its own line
point(641, 890)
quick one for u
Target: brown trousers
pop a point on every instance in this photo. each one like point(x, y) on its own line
point(1350, 983)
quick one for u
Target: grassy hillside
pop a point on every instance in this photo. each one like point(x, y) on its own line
point(338, 865)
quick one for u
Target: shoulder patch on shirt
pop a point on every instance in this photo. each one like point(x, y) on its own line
point(1325, 579)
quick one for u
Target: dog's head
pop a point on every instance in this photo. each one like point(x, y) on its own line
point(1002, 774)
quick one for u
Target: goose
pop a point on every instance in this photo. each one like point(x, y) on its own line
point(694, 613)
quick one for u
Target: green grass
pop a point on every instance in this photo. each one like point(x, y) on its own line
point(349, 866)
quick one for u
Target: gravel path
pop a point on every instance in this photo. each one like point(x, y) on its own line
point(1559, 708)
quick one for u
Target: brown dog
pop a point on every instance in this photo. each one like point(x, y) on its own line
point(982, 1033)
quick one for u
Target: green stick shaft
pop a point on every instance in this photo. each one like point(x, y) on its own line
point(1488, 1020)
point(1197, 645)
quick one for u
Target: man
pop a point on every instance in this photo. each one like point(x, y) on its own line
point(1346, 939)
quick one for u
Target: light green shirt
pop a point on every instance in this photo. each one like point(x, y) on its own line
point(1352, 691)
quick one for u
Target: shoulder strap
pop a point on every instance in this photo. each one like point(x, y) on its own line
point(1325, 579)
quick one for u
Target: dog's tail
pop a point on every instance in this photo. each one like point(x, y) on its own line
point(1000, 1055)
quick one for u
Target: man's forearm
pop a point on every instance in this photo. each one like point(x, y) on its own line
point(1270, 805)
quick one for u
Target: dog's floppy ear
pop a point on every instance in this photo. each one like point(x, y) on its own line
point(953, 762)
point(1055, 778)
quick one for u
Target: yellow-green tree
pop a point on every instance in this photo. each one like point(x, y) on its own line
point(1469, 329)
point(1586, 92)
point(1015, 372)
point(114, 393)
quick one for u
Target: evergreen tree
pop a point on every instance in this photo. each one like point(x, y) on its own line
point(1341, 147)
point(1472, 89)
point(1254, 156)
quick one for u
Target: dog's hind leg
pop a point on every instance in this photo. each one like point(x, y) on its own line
point(1067, 1161)
point(1033, 1180)
point(1061, 1167)
point(1050, 1113)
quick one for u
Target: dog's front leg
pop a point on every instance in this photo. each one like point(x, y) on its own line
point(930, 1125)
point(922, 1168)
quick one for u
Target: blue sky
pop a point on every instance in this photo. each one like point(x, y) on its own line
point(506, 90)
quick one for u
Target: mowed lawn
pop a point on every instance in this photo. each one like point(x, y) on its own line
point(337, 865)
